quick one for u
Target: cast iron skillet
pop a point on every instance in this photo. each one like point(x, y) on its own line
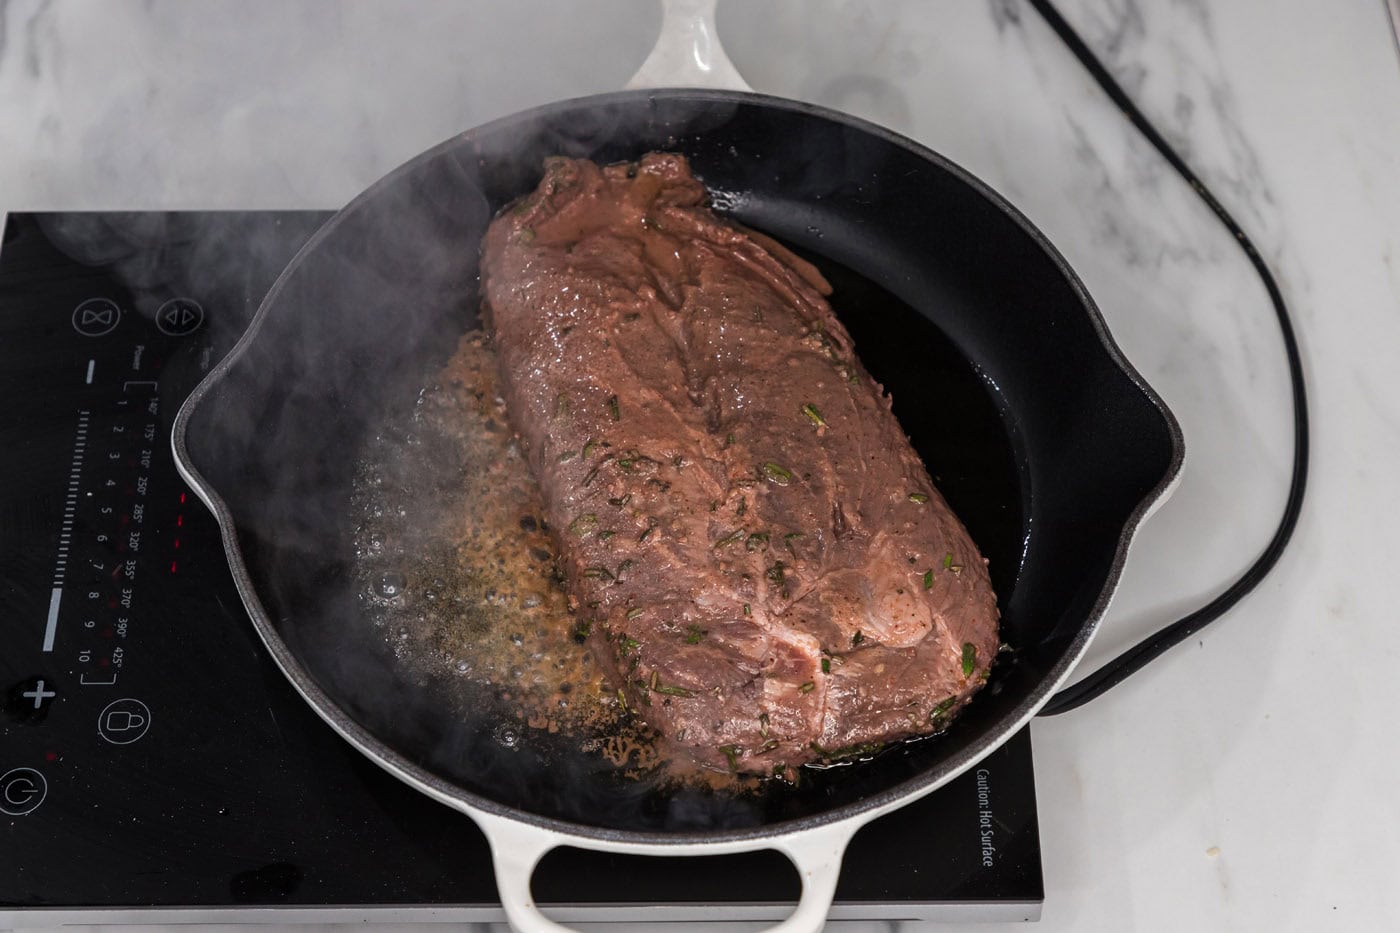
point(1039, 432)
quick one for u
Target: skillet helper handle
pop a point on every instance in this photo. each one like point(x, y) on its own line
point(516, 849)
point(687, 52)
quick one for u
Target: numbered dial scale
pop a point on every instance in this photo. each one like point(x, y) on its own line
point(154, 763)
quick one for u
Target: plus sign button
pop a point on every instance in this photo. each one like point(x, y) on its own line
point(179, 316)
point(96, 316)
point(21, 791)
point(29, 700)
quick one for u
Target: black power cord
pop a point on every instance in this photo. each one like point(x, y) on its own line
point(1137, 657)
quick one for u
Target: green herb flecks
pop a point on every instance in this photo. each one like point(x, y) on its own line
point(928, 579)
point(757, 541)
point(672, 691)
point(596, 573)
point(969, 658)
point(918, 497)
point(857, 638)
point(582, 629)
point(777, 574)
point(776, 474)
point(732, 538)
point(694, 634)
point(634, 613)
point(826, 665)
point(942, 709)
point(583, 523)
point(790, 537)
point(806, 687)
point(605, 535)
point(948, 561)
point(588, 448)
point(618, 502)
point(747, 610)
point(646, 533)
point(614, 409)
point(731, 754)
point(630, 644)
point(621, 571)
point(622, 700)
point(562, 407)
point(525, 235)
point(566, 456)
point(813, 415)
point(848, 751)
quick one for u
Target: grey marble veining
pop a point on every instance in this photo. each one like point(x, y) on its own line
point(211, 103)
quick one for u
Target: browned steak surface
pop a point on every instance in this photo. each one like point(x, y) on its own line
point(746, 531)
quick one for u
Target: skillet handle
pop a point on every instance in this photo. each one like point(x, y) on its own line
point(687, 52)
point(516, 849)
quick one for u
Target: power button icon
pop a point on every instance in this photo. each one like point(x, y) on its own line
point(21, 791)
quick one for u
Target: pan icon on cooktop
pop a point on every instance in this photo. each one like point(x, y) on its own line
point(123, 721)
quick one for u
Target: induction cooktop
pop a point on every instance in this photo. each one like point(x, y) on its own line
point(155, 766)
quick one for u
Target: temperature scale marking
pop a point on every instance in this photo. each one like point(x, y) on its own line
point(70, 506)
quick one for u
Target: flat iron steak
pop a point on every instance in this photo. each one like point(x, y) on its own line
point(749, 540)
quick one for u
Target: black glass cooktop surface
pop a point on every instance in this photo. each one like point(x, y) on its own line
point(154, 763)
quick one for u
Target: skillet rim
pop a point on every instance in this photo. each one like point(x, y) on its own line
point(867, 807)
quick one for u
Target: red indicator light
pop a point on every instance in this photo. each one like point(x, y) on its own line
point(177, 544)
point(51, 756)
point(179, 521)
point(112, 603)
point(104, 662)
point(172, 566)
point(182, 498)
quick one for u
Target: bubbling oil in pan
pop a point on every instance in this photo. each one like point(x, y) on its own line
point(455, 566)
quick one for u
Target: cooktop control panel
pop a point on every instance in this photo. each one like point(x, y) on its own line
point(152, 756)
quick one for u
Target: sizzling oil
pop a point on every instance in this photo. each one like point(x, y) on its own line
point(456, 567)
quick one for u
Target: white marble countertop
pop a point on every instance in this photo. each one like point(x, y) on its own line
point(1248, 779)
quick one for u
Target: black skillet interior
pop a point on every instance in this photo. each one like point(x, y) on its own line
point(1042, 438)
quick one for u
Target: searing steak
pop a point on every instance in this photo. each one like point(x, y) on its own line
point(748, 537)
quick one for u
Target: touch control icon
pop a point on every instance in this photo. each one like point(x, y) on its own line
point(123, 721)
point(179, 316)
point(96, 316)
point(21, 791)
